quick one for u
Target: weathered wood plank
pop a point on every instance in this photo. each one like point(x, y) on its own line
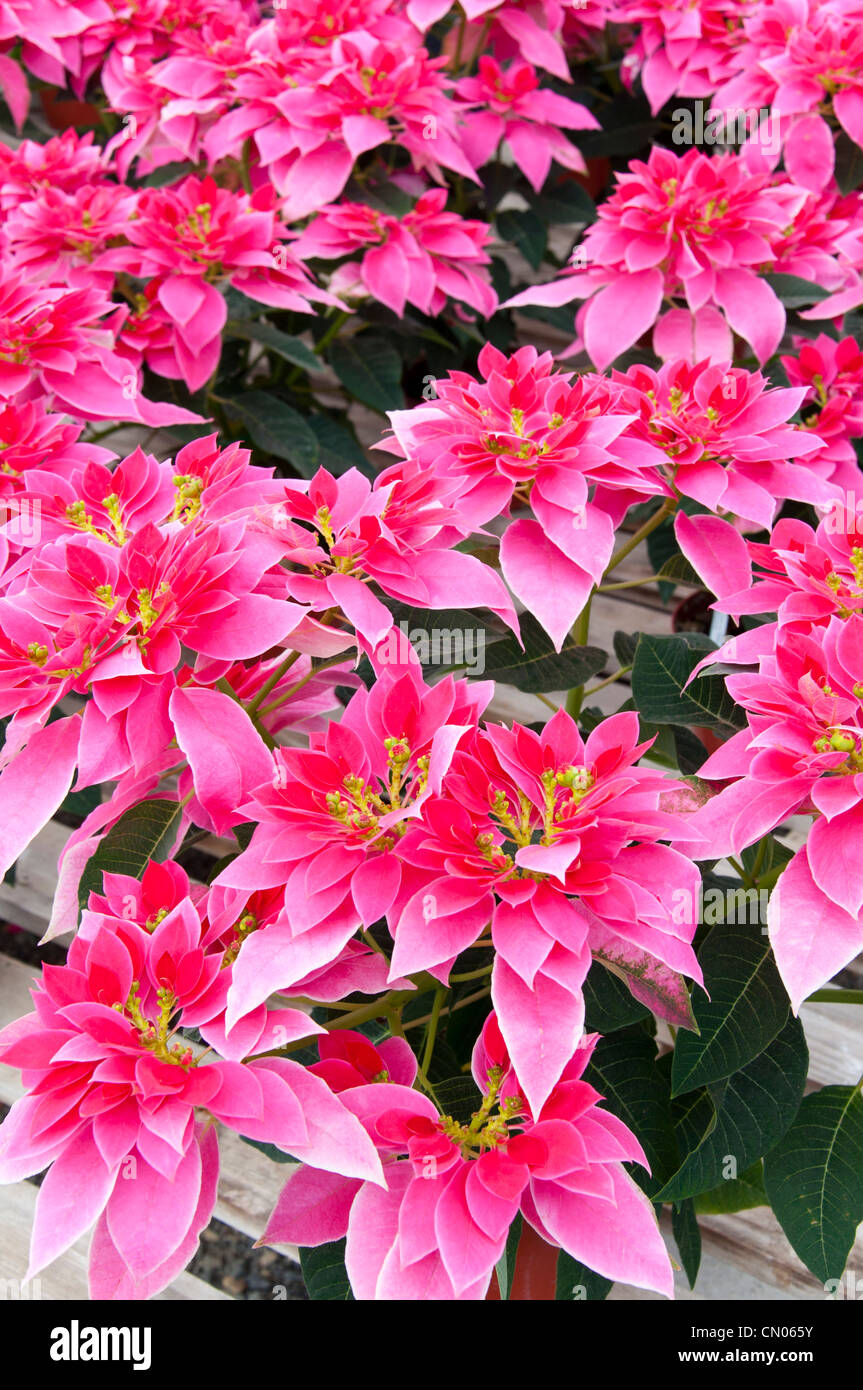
point(66, 1278)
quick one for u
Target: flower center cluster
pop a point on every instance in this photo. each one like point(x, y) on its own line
point(154, 1034)
point(360, 807)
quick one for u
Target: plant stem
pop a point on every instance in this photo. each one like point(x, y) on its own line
point(668, 506)
point(431, 1032)
point(609, 680)
point(836, 996)
point(575, 698)
point(272, 681)
point(337, 323)
point(292, 690)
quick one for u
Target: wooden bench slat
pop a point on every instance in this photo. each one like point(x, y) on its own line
point(66, 1278)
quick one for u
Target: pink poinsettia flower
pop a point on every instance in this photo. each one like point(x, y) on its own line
point(803, 61)
point(64, 163)
point(681, 49)
point(685, 227)
point(336, 532)
point(533, 842)
point(527, 435)
point(453, 1190)
point(417, 259)
point(832, 375)
point(112, 1095)
point(60, 341)
point(510, 105)
point(33, 437)
point(801, 752)
point(728, 438)
point(329, 821)
point(79, 235)
point(196, 236)
point(355, 95)
point(349, 1059)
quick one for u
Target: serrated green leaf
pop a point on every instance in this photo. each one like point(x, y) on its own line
point(525, 230)
point(623, 1069)
point(814, 1179)
point(260, 331)
point(167, 174)
point(370, 369)
point(746, 1009)
point(270, 1150)
point(661, 668)
point(324, 1272)
point(275, 427)
point(608, 1004)
point(849, 163)
point(565, 202)
point(505, 1266)
point(338, 447)
point(795, 292)
point(753, 1109)
point(146, 831)
point(737, 1194)
point(678, 568)
point(684, 1227)
point(578, 1284)
point(537, 667)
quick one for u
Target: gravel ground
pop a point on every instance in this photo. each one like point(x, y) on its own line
point(226, 1258)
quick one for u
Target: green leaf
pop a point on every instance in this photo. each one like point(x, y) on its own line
point(338, 447)
point(678, 568)
point(526, 231)
point(737, 1194)
point(167, 174)
point(370, 369)
point(625, 644)
point(275, 427)
point(814, 1179)
point(849, 163)
point(623, 1069)
point(505, 1266)
point(458, 1096)
point(269, 1149)
point(747, 1007)
point(578, 1284)
point(537, 667)
point(794, 292)
point(291, 349)
point(608, 1003)
point(684, 1227)
point(565, 202)
point(324, 1272)
point(652, 983)
point(660, 671)
point(83, 802)
point(753, 1109)
point(146, 831)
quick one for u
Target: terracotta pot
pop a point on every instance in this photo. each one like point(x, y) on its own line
point(63, 112)
point(534, 1279)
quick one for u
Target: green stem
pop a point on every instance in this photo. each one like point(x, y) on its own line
point(836, 996)
point(338, 322)
point(431, 1032)
point(668, 506)
point(271, 681)
point(575, 698)
point(609, 680)
point(298, 685)
point(470, 975)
